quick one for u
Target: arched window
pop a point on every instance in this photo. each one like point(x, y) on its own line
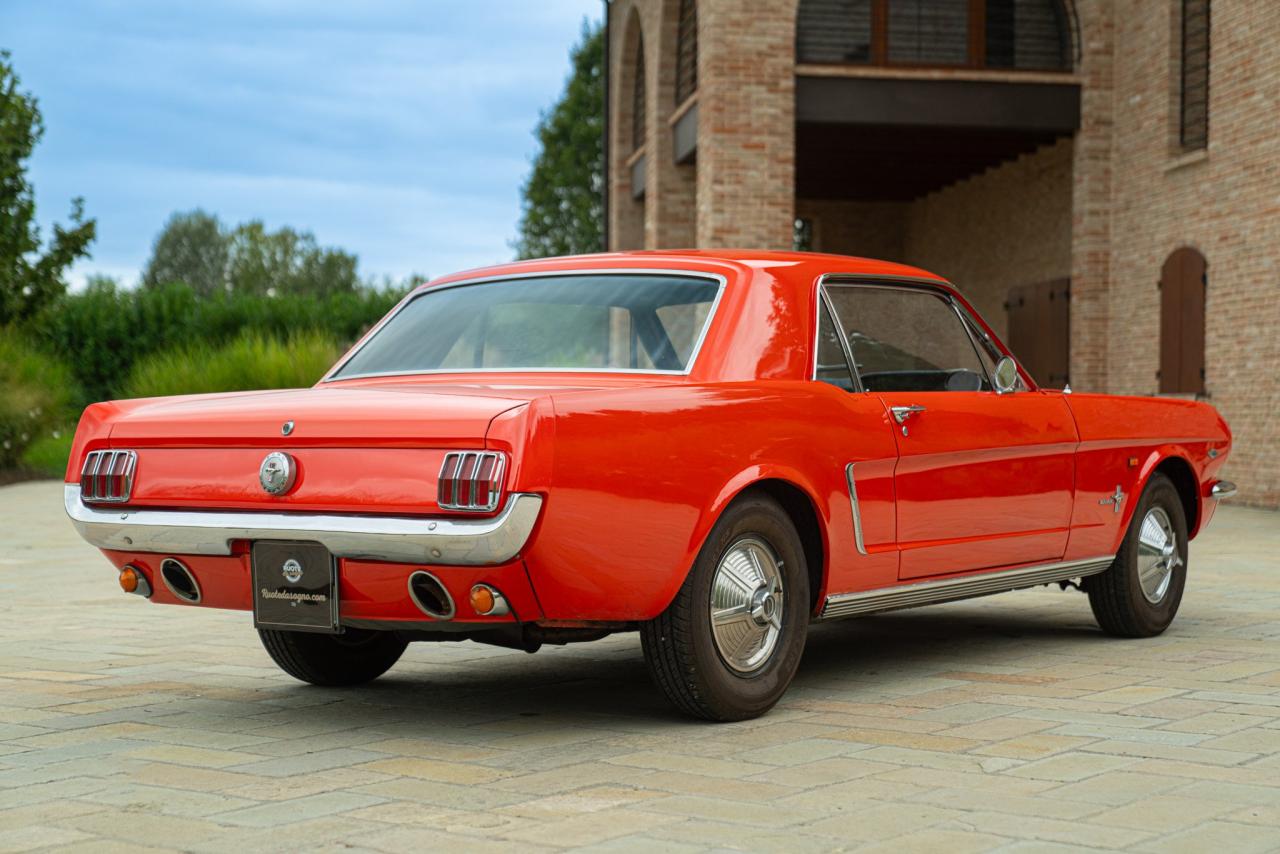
point(687, 51)
point(1183, 282)
point(1010, 34)
point(639, 120)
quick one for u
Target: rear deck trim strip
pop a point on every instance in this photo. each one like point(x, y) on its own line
point(953, 589)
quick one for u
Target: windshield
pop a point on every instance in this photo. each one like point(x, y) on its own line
point(603, 322)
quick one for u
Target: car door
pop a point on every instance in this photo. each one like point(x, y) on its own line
point(983, 480)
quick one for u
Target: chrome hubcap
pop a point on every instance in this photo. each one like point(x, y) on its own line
point(1158, 555)
point(746, 604)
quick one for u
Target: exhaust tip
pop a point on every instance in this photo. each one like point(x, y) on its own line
point(179, 580)
point(430, 596)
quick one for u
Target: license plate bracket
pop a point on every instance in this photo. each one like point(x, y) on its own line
point(295, 586)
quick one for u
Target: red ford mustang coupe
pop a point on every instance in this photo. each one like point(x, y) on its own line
point(713, 448)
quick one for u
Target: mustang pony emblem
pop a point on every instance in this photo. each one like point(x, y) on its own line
point(277, 472)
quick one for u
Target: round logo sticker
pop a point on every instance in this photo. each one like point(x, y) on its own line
point(292, 571)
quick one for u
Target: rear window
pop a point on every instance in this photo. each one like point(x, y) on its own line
point(604, 322)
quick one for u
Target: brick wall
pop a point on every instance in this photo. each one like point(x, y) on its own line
point(1091, 197)
point(1225, 202)
point(1009, 226)
point(865, 229)
point(1106, 208)
point(626, 214)
point(746, 123)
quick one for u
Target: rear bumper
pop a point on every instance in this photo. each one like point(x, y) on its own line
point(405, 539)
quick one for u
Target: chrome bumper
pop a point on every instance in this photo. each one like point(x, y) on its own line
point(1222, 489)
point(406, 539)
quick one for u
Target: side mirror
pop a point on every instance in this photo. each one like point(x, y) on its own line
point(1006, 375)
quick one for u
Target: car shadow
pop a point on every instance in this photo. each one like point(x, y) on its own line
point(607, 685)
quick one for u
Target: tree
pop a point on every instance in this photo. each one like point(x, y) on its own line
point(29, 280)
point(286, 262)
point(563, 210)
point(196, 249)
point(191, 248)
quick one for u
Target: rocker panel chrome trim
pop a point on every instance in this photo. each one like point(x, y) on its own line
point(433, 541)
point(953, 589)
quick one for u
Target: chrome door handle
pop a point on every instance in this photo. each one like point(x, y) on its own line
point(902, 413)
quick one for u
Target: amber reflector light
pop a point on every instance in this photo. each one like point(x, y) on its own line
point(482, 599)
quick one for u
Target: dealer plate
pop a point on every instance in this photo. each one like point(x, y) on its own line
point(295, 587)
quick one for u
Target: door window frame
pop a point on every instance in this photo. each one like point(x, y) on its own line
point(899, 283)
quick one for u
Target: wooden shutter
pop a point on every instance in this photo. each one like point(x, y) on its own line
point(1040, 330)
point(687, 51)
point(1194, 131)
point(638, 119)
point(1183, 283)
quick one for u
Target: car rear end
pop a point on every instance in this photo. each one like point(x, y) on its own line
point(395, 508)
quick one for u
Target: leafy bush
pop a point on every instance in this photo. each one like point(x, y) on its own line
point(252, 361)
point(47, 455)
point(36, 395)
point(104, 330)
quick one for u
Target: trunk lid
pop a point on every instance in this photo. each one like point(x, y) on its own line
point(387, 416)
point(356, 449)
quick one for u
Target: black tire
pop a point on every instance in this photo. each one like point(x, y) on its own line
point(352, 658)
point(1116, 596)
point(679, 648)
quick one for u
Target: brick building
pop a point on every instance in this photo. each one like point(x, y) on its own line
point(1102, 178)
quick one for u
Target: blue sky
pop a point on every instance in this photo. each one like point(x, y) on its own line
point(400, 131)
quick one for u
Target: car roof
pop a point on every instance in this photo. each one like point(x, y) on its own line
point(812, 262)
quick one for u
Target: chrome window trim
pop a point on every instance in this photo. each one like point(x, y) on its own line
point(979, 334)
point(857, 512)
point(966, 587)
point(431, 540)
point(968, 333)
point(937, 287)
point(720, 279)
point(824, 302)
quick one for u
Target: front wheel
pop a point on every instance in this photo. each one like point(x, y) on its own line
point(1139, 595)
point(730, 642)
point(352, 658)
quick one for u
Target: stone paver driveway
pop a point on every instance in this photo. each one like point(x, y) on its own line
point(1008, 723)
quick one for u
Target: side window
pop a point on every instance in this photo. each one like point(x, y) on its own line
point(907, 340)
point(832, 366)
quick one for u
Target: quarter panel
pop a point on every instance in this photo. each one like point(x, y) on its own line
point(1122, 441)
point(641, 476)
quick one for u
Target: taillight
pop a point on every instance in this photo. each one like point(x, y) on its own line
point(472, 480)
point(107, 476)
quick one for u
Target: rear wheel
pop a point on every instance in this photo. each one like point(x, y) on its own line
point(729, 644)
point(352, 658)
point(1139, 595)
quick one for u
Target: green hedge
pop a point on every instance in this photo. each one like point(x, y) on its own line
point(102, 331)
point(252, 361)
point(36, 396)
